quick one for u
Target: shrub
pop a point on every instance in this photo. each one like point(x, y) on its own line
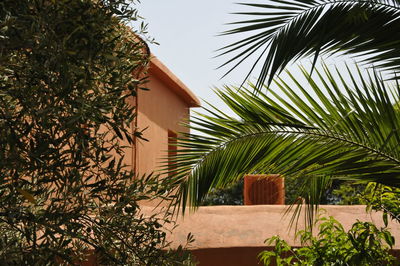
point(363, 244)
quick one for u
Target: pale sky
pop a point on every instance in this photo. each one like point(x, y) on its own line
point(186, 32)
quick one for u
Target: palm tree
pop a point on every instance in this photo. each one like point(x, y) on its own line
point(281, 31)
point(337, 130)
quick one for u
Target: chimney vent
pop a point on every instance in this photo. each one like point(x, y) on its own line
point(264, 189)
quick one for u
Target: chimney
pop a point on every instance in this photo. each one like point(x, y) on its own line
point(264, 189)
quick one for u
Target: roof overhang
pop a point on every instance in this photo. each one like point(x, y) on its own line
point(159, 70)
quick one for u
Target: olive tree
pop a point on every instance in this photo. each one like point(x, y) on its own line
point(67, 71)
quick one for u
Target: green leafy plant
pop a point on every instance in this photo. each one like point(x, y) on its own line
point(375, 196)
point(349, 193)
point(67, 74)
point(363, 244)
point(383, 198)
point(232, 195)
point(347, 131)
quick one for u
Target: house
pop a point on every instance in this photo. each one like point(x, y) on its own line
point(161, 110)
point(224, 235)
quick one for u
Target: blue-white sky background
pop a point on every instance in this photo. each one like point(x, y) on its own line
point(187, 30)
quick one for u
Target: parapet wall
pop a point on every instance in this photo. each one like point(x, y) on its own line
point(249, 226)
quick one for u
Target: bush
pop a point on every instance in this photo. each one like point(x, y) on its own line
point(66, 76)
point(363, 244)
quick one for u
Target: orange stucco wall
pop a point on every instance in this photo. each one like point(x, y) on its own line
point(249, 226)
point(234, 235)
point(159, 110)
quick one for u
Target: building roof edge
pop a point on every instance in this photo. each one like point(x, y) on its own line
point(173, 82)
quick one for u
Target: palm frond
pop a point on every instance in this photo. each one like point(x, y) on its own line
point(346, 131)
point(287, 30)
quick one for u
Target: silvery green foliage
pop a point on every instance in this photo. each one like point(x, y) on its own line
point(66, 71)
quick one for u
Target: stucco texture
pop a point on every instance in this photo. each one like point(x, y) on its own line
point(234, 235)
point(161, 109)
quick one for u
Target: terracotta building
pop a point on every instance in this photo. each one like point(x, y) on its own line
point(161, 110)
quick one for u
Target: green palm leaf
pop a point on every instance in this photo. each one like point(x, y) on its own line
point(283, 31)
point(346, 131)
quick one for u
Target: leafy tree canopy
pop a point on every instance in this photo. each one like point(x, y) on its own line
point(67, 71)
